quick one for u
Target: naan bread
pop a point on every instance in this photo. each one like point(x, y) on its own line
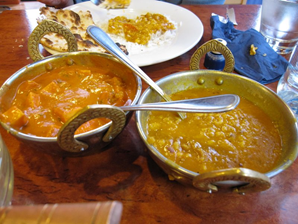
point(77, 23)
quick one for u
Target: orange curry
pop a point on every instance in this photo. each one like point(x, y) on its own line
point(244, 137)
point(141, 29)
point(40, 106)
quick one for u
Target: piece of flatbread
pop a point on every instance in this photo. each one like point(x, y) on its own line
point(77, 23)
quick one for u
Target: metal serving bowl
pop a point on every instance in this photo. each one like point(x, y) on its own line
point(93, 140)
point(6, 175)
point(240, 179)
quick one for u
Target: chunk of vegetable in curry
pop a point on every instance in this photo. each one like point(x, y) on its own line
point(43, 104)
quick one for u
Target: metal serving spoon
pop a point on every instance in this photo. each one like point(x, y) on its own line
point(107, 43)
point(67, 142)
point(218, 103)
point(97, 2)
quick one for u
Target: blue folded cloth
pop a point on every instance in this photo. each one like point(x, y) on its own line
point(265, 66)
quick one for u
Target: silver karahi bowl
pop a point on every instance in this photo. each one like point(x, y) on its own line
point(65, 145)
point(241, 180)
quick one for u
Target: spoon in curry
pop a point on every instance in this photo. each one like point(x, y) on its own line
point(107, 43)
point(212, 104)
point(67, 142)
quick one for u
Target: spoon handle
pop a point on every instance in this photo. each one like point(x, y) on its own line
point(97, 2)
point(219, 103)
point(106, 42)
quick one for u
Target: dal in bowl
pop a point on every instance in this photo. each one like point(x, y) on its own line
point(171, 152)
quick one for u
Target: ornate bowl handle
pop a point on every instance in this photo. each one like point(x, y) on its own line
point(66, 134)
point(254, 180)
point(43, 28)
point(213, 45)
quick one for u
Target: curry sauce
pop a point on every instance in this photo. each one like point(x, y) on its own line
point(41, 105)
point(244, 137)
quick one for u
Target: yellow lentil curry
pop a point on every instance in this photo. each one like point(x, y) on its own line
point(244, 137)
point(40, 106)
point(139, 30)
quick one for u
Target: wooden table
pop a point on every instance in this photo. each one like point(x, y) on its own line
point(26, 5)
point(124, 171)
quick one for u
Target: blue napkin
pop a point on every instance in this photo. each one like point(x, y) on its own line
point(265, 66)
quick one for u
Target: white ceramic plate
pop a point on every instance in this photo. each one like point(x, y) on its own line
point(189, 32)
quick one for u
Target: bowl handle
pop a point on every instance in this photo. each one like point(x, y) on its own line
point(253, 181)
point(66, 133)
point(43, 28)
point(213, 45)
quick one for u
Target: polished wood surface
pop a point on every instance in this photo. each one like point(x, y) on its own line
point(27, 5)
point(124, 171)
